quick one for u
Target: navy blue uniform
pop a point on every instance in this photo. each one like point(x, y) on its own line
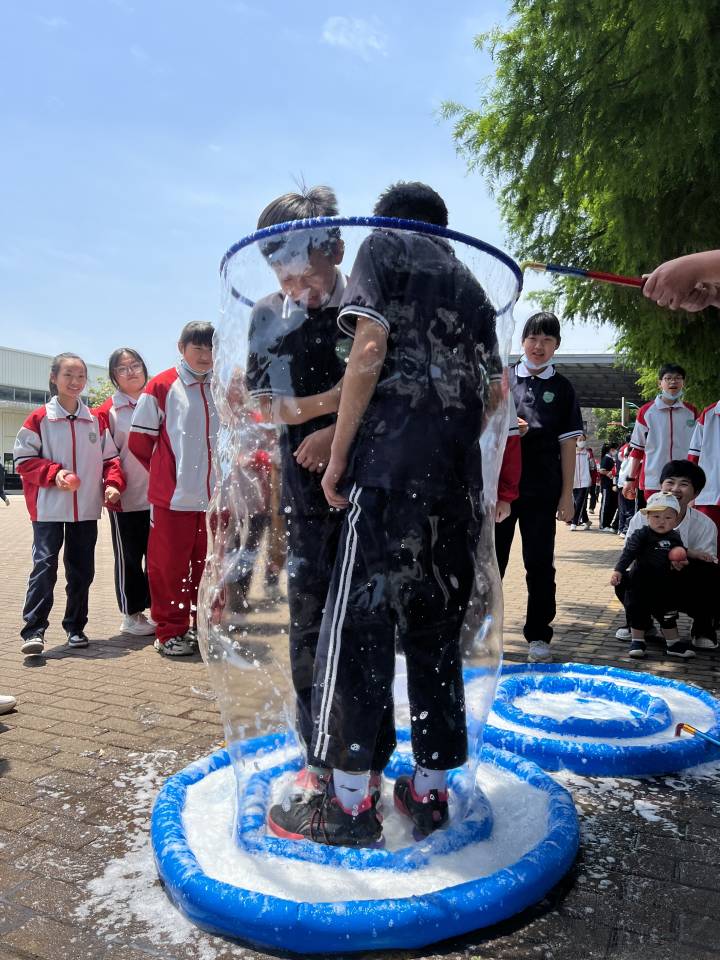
point(405, 563)
point(299, 352)
point(548, 403)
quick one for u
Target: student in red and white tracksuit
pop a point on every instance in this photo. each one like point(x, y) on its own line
point(662, 432)
point(173, 434)
point(508, 488)
point(705, 451)
point(69, 464)
point(130, 521)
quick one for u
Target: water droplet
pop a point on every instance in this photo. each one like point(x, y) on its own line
point(355, 746)
point(423, 715)
point(435, 755)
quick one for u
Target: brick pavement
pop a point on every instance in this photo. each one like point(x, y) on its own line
point(97, 731)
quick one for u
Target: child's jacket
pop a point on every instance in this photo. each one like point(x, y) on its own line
point(50, 440)
point(117, 412)
point(173, 434)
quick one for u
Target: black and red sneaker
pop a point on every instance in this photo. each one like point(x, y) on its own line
point(321, 817)
point(308, 782)
point(428, 811)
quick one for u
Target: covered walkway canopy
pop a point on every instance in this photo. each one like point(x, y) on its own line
point(597, 380)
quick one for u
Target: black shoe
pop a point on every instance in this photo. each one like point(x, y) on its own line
point(637, 649)
point(321, 817)
point(428, 812)
point(680, 649)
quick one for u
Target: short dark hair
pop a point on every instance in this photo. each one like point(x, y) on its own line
point(55, 365)
point(687, 469)
point(543, 323)
point(197, 332)
point(412, 201)
point(307, 204)
point(671, 368)
point(115, 360)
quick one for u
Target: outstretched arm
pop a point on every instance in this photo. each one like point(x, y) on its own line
point(294, 410)
point(686, 283)
point(361, 376)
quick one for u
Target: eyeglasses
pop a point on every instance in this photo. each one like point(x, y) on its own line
point(130, 368)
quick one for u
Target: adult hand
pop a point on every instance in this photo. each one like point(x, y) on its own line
point(629, 489)
point(334, 471)
point(615, 578)
point(702, 555)
point(673, 282)
point(314, 452)
point(523, 426)
point(678, 564)
point(566, 507)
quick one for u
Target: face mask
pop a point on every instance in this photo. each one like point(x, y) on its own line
point(581, 444)
point(667, 395)
point(533, 366)
point(196, 373)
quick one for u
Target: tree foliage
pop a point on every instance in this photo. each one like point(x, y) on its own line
point(609, 425)
point(599, 135)
point(100, 391)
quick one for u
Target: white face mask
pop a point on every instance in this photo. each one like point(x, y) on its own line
point(581, 444)
point(668, 395)
point(200, 374)
point(533, 366)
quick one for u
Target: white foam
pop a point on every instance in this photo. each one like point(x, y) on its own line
point(520, 823)
point(684, 708)
point(560, 706)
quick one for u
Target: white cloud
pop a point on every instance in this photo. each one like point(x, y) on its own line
point(361, 37)
point(52, 23)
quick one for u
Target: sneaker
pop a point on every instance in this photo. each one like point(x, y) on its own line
point(7, 703)
point(539, 652)
point(34, 646)
point(77, 640)
point(573, 526)
point(428, 811)
point(183, 646)
point(703, 642)
point(680, 649)
point(623, 633)
point(375, 787)
point(637, 649)
point(323, 819)
point(137, 624)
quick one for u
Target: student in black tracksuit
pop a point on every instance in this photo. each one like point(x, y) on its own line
point(413, 401)
point(547, 402)
point(296, 359)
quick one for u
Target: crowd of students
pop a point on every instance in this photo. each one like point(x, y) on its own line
point(378, 479)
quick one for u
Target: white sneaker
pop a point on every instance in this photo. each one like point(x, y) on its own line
point(539, 652)
point(705, 643)
point(573, 526)
point(137, 624)
point(34, 646)
point(183, 646)
point(77, 640)
point(7, 703)
point(623, 634)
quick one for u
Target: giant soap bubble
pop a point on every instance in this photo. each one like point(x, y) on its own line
point(286, 576)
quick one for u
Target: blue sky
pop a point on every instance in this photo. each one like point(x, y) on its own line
point(142, 137)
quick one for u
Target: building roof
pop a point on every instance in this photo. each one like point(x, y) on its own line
point(598, 378)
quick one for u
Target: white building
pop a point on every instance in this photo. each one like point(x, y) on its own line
point(24, 386)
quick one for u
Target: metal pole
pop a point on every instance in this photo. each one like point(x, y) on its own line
point(622, 411)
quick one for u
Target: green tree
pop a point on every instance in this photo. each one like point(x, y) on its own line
point(100, 391)
point(609, 426)
point(599, 135)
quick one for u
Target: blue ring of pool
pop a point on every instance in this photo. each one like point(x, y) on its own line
point(345, 926)
point(553, 752)
point(651, 713)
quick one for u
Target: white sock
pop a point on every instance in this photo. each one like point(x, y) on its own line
point(426, 780)
point(351, 788)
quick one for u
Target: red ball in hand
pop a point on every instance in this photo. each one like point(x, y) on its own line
point(677, 554)
point(72, 480)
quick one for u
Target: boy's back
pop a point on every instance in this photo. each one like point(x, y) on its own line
point(424, 419)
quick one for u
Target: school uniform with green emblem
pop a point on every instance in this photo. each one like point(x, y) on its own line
point(547, 401)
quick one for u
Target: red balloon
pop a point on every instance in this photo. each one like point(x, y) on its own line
point(72, 480)
point(678, 554)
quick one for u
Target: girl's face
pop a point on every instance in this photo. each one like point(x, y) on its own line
point(128, 373)
point(70, 379)
point(539, 348)
point(197, 357)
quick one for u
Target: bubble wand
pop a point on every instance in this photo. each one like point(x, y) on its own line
point(615, 278)
point(695, 732)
